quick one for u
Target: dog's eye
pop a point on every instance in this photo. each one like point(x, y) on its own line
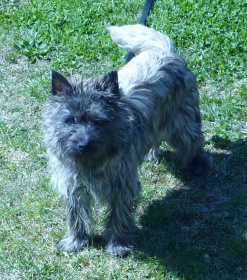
point(100, 122)
point(70, 120)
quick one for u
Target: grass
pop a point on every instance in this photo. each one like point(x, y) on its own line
point(190, 228)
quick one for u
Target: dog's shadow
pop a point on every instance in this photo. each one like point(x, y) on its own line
point(199, 228)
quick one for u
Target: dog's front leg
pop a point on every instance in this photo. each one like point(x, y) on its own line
point(121, 229)
point(79, 220)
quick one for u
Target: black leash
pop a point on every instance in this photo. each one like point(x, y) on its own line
point(147, 7)
point(145, 12)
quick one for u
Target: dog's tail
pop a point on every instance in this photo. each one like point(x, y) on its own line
point(138, 38)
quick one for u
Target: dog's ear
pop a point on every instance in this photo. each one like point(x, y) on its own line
point(109, 83)
point(60, 85)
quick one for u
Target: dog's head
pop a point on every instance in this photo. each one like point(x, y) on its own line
point(86, 121)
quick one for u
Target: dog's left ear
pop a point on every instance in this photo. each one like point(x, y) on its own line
point(59, 84)
point(109, 83)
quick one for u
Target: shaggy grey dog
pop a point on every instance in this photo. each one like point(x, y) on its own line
point(97, 133)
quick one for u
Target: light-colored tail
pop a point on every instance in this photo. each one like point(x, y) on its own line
point(138, 38)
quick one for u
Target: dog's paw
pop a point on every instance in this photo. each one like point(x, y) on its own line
point(71, 243)
point(199, 165)
point(118, 250)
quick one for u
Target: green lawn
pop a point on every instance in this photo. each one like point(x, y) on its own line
point(190, 228)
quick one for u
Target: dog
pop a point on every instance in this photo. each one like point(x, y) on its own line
point(99, 131)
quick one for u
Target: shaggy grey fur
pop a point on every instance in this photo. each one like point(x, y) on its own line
point(98, 132)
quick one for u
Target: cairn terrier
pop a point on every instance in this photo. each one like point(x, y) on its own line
point(98, 131)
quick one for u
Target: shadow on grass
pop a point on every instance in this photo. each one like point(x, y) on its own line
point(198, 231)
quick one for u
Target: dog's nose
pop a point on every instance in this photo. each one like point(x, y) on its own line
point(82, 146)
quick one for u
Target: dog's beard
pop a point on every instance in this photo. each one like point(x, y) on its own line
point(76, 147)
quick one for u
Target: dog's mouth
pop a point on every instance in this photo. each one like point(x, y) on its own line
point(87, 153)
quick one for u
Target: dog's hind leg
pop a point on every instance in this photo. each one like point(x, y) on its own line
point(185, 137)
point(79, 221)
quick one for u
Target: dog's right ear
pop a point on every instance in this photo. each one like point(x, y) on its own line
point(59, 84)
point(109, 83)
